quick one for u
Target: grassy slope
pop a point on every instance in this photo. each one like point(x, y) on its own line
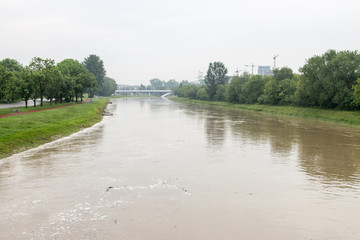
point(336, 116)
point(22, 132)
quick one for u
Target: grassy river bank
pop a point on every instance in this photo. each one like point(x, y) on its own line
point(22, 132)
point(329, 115)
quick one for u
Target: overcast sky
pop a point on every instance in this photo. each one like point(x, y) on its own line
point(174, 39)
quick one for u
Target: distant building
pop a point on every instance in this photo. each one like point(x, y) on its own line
point(264, 71)
point(200, 79)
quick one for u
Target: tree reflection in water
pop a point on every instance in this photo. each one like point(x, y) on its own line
point(325, 152)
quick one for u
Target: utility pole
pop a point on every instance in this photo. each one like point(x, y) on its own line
point(275, 56)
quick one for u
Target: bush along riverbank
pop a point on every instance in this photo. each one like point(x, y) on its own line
point(329, 115)
point(22, 132)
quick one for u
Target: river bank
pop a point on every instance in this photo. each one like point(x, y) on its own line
point(351, 118)
point(157, 169)
point(26, 131)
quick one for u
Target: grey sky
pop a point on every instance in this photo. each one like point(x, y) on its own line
point(139, 40)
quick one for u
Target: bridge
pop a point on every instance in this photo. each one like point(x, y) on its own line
point(143, 92)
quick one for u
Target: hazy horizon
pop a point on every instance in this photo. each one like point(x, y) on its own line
point(141, 40)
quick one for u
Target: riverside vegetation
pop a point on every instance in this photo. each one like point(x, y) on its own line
point(62, 83)
point(66, 81)
point(327, 115)
point(327, 88)
point(26, 131)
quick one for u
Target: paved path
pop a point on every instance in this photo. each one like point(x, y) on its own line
point(19, 113)
point(18, 104)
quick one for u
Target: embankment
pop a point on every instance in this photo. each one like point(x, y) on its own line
point(22, 132)
point(329, 115)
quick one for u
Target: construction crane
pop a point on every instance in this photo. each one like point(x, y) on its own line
point(237, 72)
point(275, 56)
point(252, 67)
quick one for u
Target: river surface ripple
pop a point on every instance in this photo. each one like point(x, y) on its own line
point(156, 169)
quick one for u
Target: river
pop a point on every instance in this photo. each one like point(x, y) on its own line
point(156, 169)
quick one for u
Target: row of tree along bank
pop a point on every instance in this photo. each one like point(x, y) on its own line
point(331, 80)
point(327, 115)
point(67, 80)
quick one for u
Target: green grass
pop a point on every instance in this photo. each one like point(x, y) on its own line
point(26, 131)
point(329, 115)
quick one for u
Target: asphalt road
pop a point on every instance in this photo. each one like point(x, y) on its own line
point(17, 104)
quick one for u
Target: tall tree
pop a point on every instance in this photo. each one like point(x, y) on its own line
point(85, 82)
point(77, 78)
point(5, 78)
point(12, 69)
point(216, 75)
point(95, 65)
point(55, 81)
point(328, 79)
point(42, 70)
point(26, 85)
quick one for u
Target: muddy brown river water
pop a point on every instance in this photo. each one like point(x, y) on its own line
point(157, 170)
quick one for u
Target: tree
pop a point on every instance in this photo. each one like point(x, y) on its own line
point(356, 89)
point(220, 94)
point(95, 66)
point(328, 79)
point(287, 90)
point(11, 70)
point(26, 85)
point(234, 92)
point(271, 93)
point(55, 82)
point(109, 87)
point(183, 83)
point(279, 92)
point(283, 73)
point(187, 91)
point(11, 65)
point(202, 94)
point(190, 91)
point(5, 78)
point(157, 84)
point(216, 75)
point(42, 72)
point(84, 81)
point(67, 89)
point(254, 88)
point(171, 84)
point(77, 79)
